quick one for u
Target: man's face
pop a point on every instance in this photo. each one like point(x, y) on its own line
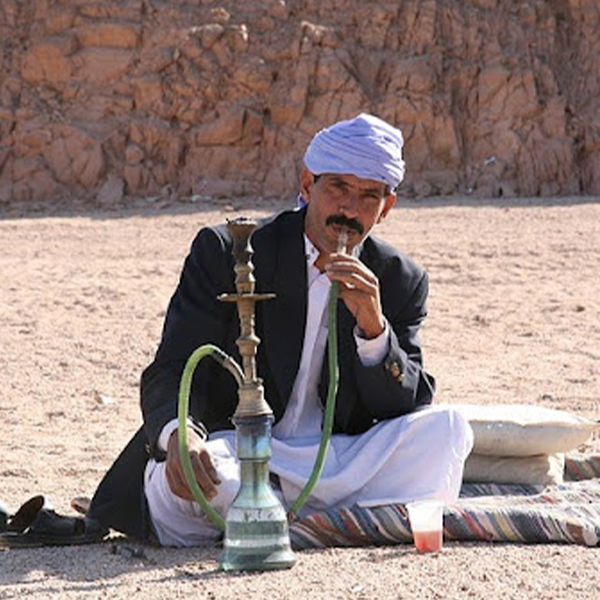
point(336, 201)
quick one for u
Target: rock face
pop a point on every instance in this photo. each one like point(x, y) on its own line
point(104, 100)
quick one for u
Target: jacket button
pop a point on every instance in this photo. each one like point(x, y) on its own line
point(395, 371)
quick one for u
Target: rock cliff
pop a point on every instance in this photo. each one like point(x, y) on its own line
point(107, 100)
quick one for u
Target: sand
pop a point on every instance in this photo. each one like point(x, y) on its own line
point(513, 317)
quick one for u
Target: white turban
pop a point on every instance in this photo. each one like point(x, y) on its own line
point(365, 146)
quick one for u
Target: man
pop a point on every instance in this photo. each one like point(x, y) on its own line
point(386, 446)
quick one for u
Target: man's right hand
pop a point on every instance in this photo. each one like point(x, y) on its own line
point(204, 470)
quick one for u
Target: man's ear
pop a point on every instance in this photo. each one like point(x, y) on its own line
point(389, 202)
point(306, 182)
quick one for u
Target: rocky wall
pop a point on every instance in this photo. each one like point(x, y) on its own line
point(108, 100)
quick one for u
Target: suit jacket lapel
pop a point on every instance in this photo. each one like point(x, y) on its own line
point(285, 317)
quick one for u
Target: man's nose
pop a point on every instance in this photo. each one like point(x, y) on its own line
point(348, 203)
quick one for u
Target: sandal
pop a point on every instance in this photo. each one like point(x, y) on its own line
point(33, 526)
point(24, 517)
point(4, 516)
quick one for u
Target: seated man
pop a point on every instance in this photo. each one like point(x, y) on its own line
point(388, 444)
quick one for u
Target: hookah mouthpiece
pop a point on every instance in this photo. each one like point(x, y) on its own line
point(342, 245)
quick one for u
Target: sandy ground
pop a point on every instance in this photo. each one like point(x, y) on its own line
point(513, 318)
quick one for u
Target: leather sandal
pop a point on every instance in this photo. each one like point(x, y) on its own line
point(23, 518)
point(4, 516)
point(33, 526)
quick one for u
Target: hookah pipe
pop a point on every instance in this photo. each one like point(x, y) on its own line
point(256, 529)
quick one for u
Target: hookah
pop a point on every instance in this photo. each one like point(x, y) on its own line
point(256, 527)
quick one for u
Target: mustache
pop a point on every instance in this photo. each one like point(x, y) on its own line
point(345, 222)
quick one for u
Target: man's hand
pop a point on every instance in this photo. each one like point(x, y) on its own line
point(204, 470)
point(359, 289)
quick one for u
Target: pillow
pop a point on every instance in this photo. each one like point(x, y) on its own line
point(523, 470)
point(524, 430)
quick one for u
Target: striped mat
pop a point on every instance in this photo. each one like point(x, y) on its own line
point(565, 513)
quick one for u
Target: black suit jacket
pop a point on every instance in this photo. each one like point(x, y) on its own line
point(195, 317)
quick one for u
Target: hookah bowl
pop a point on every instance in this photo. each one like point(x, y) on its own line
point(256, 526)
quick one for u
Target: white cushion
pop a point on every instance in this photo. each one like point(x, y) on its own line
point(525, 470)
point(524, 430)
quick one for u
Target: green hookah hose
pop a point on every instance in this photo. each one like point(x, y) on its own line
point(227, 362)
point(332, 356)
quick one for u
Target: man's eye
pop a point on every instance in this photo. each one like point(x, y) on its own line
point(338, 187)
point(372, 196)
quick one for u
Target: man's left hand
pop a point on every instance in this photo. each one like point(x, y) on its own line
point(359, 289)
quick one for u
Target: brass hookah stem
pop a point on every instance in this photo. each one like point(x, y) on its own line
point(245, 283)
point(252, 402)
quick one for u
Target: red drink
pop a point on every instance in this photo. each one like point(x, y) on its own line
point(428, 541)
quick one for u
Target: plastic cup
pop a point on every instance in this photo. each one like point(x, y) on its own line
point(426, 520)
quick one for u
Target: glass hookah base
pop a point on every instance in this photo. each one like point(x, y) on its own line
point(256, 540)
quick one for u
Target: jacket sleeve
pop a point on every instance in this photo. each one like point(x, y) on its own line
point(398, 384)
point(194, 317)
